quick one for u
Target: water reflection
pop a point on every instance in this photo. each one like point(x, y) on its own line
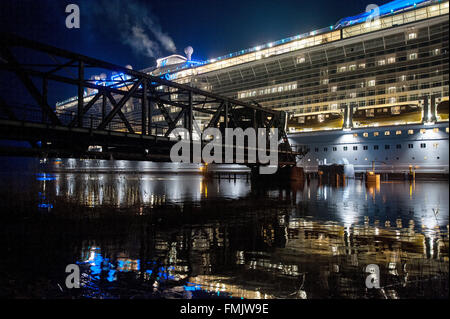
point(184, 236)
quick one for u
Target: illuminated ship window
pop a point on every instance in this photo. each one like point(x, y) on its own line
point(381, 62)
point(435, 145)
point(362, 66)
point(398, 146)
point(392, 89)
point(325, 81)
point(334, 89)
point(365, 147)
point(413, 56)
point(436, 129)
point(423, 131)
point(435, 51)
point(376, 133)
point(412, 36)
point(410, 132)
point(446, 129)
point(355, 134)
point(398, 133)
point(370, 113)
point(352, 67)
point(379, 110)
point(301, 59)
point(402, 78)
point(385, 110)
point(371, 83)
point(391, 59)
point(423, 145)
point(387, 133)
point(342, 69)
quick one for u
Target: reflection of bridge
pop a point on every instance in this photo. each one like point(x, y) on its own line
point(61, 134)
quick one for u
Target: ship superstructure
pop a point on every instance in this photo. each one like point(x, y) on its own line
point(369, 76)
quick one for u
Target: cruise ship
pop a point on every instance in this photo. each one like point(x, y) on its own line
point(373, 89)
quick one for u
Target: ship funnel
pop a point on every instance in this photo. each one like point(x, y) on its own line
point(188, 51)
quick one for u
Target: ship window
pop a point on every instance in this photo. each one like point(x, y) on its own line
point(413, 56)
point(382, 62)
point(436, 145)
point(316, 149)
point(370, 112)
point(334, 148)
point(412, 36)
point(376, 134)
point(395, 110)
point(410, 146)
point(345, 148)
point(375, 147)
point(423, 145)
point(399, 146)
point(436, 129)
point(425, 157)
point(355, 148)
point(371, 83)
point(398, 133)
point(423, 131)
point(410, 132)
point(379, 110)
point(355, 135)
point(446, 129)
point(365, 147)
point(391, 60)
point(386, 147)
point(325, 149)
point(385, 110)
point(435, 52)
point(387, 133)
point(366, 134)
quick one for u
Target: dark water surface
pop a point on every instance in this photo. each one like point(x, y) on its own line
point(151, 235)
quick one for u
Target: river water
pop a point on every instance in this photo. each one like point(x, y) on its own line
point(143, 233)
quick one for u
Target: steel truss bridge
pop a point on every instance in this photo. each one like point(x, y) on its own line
point(100, 118)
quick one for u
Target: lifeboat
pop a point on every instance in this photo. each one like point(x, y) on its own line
point(317, 122)
point(390, 115)
point(442, 111)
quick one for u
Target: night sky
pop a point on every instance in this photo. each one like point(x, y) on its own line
point(212, 28)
